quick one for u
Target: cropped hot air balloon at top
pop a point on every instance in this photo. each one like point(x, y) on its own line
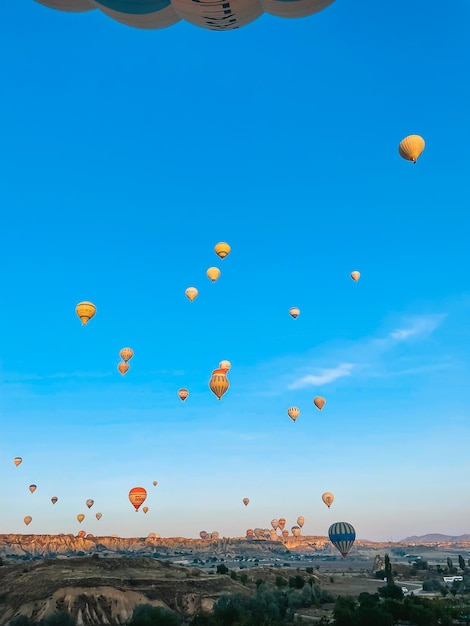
point(222, 249)
point(293, 412)
point(191, 293)
point(328, 498)
point(218, 15)
point(355, 275)
point(213, 273)
point(319, 402)
point(54, 499)
point(126, 354)
point(85, 311)
point(32, 488)
point(123, 367)
point(219, 382)
point(183, 394)
point(246, 501)
point(294, 312)
point(27, 520)
point(342, 536)
point(411, 147)
point(17, 460)
point(137, 496)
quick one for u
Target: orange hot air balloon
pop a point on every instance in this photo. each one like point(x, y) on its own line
point(294, 312)
point(126, 354)
point(145, 509)
point(54, 499)
point(191, 293)
point(355, 275)
point(183, 394)
point(80, 517)
point(411, 147)
point(99, 516)
point(123, 367)
point(246, 501)
point(222, 249)
point(328, 498)
point(213, 273)
point(17, 460)
point(319, 402)
point(282, 523)
point(32, 488)
point(85, 311)
point(28, 519)
point(81, 534)
point(219, 382)
point(293, 412)
point(137, 496)
point(225, 365)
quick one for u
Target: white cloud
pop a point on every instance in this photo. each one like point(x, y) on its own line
point(420, 325)
point(325, 376)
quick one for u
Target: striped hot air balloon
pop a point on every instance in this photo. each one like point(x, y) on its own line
point(342, 536)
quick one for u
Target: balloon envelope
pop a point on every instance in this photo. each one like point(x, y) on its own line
point(293, 412)
point(411, 147)
point(137, 496)
point(355, 275)
point(222, 249)
point(17, 460)
point(32, 488)
point(342, 536)
point(191, 293)
point(99, 516)
point(54, 499)
point(213, 273)
point(319, 402)
point(80, 517)
point(183, 394)
point(219, 383)
point(300, 521)
point(90, 503)
point(275, 524)
point(28, 519)
point(123, 367)
point(282, 523)
point(85, 311)
point(246, 501)
point(225, 365)
point(328, 498)
point(145, 509)
point(294, 312)
point(126, 354)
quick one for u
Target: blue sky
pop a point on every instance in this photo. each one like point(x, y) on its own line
point(126, 156)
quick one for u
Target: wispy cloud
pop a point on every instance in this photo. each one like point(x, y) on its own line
point(323, 377)
point(419, 325)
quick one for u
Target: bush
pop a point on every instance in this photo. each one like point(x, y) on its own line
point(146, 615)
point(222, 569)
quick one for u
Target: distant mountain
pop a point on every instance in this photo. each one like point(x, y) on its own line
point(436, 538)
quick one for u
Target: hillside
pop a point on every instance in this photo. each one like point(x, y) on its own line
point(437, 538)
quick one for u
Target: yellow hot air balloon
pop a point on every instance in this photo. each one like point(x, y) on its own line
point(225, 365)
point(293, 412)
point(99, 516)
point(191, 293)
point(80, 517)
point(126, 354)
point(32, 488)
point(85, 311)
point(319, 402)
point(154, 483)
point(246, 501)
point(17, 460)
point(145, 509)
point(222, 249)
point(123, 367)
point(28, 519)
point(294, 312)
point(355, 275)
point(213, 273)
point(219, 383)
point(411, 147)
point(328, 498)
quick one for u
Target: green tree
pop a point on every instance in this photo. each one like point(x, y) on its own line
point(244, 578)
point(146, 615)
point(344, 611)
point(461, 563)
point(388, 570)
point(222, 569)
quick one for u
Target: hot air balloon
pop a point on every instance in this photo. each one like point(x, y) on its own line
point(225, 365)
point(80, 518)
point(282, 523)
point(300, 521)
point(319, 402)
point(246, 501)
point(54, 499)
point(183, 394)
point(191, 293)
point(342, 536)
point(203, 534)
point(17, 460)
point(295, 530)
point(145, 509)
point(126, 354)
point(99, 516)
point(411, 147)
point(137, 496)
point(222, 249)
point(213, 273)
point(32, 488)
point(123, 367)
point(28, 519)
point(294, 312)
point(219, 383)
point(275, 524)
point(258, 532)
point(293, 412)
point(81, 534)
point(85, 311)
point(273, 534)
point(328, 498)
point(215, 535)
point(285, 533)
point(355, 275)
point(90, 503)
point(250, 533)
point(155, 483)
point(209, 14)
